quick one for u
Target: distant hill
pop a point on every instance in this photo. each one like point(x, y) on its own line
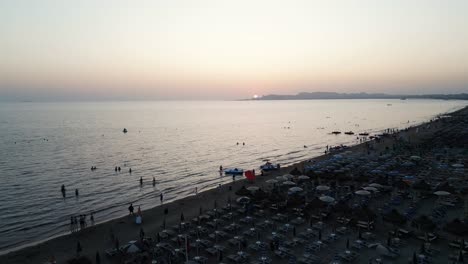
point(330, 95)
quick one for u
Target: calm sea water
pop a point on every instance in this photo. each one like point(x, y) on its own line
point(181, 144)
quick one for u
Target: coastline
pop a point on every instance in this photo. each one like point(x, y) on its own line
point(98, 236)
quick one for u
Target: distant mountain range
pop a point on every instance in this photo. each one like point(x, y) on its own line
point(329, 95)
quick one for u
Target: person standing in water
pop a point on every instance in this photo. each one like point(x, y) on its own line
point(141, 180)
point(130, 170)
point(76, 192)
point(130, 209)
point(63, 190)
point(154, 182)
point(161, 197)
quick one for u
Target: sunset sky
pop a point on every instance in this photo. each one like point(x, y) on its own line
point(219, 49)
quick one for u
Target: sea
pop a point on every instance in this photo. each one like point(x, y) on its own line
point(179, 143)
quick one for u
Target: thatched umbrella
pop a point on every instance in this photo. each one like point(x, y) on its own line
point(445, 187)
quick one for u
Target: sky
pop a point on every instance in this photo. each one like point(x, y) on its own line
point(219, 49)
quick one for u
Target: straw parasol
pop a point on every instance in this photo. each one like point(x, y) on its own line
point(327, 199)
point(369, 188)
point(281, 178)
point(376, 185)
point(253, 188)
point(271, 181)
point(362, 193)
point(295, 189)
point(288, 183)
point(322, 188)
point(442, 193)
point(303, 177)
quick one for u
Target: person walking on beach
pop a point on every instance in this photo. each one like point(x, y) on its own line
point(78, 248)
point(115, 168)
point(92, 218)
point(119, 169)
point(130, 209)
point(161, 197)
point(130, 170)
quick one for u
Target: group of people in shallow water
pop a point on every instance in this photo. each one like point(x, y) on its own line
point(81, 220)
point(118, 169)
point(64, 191)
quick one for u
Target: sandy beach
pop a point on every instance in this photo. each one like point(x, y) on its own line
point(98, 238)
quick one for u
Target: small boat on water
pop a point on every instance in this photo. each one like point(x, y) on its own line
point(349, 133)
point(125, 130)
point(269, 166)
point(364, 134)
point(234, 171)
point(336, 132)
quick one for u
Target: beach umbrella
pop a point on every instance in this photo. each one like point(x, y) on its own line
point(382, 250)
point(322, 188)
point(295, 189)
point(458, 165)
point(243, 200)
point(253, 188)
point(362, 192)
point(372, 189)
point(441, 193)
point(327, 199)
point(303, 177)
point(281, 178)
point(288, 183)
point(271, 181)
point(376, 185)
point(288, 176)
point(132, 248)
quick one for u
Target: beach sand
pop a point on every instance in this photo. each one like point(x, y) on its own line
point(98, 237)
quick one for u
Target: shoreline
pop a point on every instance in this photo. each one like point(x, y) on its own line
point(63, 245)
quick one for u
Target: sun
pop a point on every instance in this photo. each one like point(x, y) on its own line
point(255, 96)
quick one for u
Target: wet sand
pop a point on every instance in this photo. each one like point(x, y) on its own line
point(98, 237)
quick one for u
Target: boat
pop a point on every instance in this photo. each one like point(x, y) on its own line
point(349, 133)
point(364, 134)
point(336, 132)
point(269, 166)
point(234, 171)
point(125, 130)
